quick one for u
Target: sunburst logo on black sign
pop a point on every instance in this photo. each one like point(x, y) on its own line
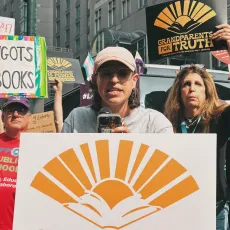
point(58, 63)
point(183, 19)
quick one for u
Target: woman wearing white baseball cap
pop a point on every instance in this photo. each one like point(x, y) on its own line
point(114, 86)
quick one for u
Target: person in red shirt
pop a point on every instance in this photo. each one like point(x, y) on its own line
point(15, 117)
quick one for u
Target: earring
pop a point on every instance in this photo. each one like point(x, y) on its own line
point(134, 97)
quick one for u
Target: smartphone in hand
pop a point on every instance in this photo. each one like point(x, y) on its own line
point(107, 122)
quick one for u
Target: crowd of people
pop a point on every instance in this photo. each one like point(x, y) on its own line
point(192, 106)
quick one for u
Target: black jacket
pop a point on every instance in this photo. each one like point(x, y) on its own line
point(221, 126)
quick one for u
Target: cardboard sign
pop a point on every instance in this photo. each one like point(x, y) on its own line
point(183, 26)
point(222, 55)
point(68, 70)
point(42, 123)
point(7, 26)
point(23, 66)
point(116, 181)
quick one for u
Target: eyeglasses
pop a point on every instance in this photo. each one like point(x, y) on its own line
point(123, 74)
point(201, 66)
point(20, 111)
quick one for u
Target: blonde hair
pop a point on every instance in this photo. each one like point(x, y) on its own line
point(174, 108)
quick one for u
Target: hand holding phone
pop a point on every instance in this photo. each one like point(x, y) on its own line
point(107, 122)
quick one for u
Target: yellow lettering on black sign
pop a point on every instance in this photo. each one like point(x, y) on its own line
point(165, 49)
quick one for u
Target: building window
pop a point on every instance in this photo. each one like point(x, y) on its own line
point(141, 3)
point(78, 11)
point(5, 11)
point(88, 24)
point(67, 35)
point(78, 45)
point(126, 8)
point(77, 28)
point(58, 27)
point(22, 12)
point(112, 7)
point(141, 47)
point(12, 6)
point(97, 20)
point(68, 19)
point(58, 41)
point(22, 25)
point(67, 4)
point(58, 11)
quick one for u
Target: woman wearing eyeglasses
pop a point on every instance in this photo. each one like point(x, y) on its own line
point(114, 86)
point(193, 107)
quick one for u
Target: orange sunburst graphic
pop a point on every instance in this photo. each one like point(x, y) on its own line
point(58, 63)
point(182, 18)
point(114, 193)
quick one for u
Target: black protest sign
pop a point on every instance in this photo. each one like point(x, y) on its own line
point(68, 70)
point(183, 26)
point(86, 95)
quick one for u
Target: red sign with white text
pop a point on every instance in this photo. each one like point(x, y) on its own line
point(221, 55)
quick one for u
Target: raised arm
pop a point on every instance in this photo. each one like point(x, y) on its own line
point(58, 110)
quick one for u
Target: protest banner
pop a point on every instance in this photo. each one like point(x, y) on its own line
point(7, 26)
point(184, 26)
point(42, 123)
point(23, 66)
point(86, 94)
point(68, 70)
point(116, 181)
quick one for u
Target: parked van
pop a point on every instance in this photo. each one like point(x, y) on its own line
point(155, 85)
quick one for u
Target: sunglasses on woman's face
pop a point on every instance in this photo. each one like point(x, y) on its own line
point(122, 73)
point(201, 66)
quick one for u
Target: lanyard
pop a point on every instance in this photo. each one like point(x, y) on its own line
point(183, 126)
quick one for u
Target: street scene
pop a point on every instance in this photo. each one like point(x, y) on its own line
point(87, 86)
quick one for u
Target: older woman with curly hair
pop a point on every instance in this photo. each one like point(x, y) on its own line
point(193, 107)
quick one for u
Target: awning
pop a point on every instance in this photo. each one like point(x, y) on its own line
point(107, 37)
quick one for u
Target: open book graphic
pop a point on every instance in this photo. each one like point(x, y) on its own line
point(114, 194)
point(177, 27)
point(93, 207)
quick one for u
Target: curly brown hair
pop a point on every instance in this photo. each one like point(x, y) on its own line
point(174, 108)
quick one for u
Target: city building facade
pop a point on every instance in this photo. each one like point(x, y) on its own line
point(91, 25)
point(36, 17)
point(73, 28)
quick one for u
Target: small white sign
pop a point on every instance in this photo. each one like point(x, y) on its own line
point(7, 26)
point(116, 181)
point(17, 73)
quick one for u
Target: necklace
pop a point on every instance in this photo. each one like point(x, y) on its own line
point(185, 126)
point(190, 121)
